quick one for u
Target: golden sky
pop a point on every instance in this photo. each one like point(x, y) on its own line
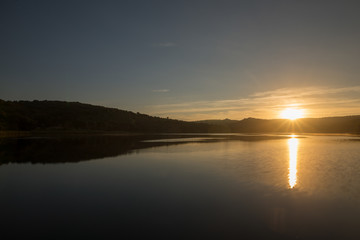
point(316, 102)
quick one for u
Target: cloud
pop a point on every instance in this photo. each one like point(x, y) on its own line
point(165, 44)
point(318, 102)
point(309, 91)
point(161, 90)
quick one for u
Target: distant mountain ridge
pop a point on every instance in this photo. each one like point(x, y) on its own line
point(63, 116)
point(345, 124)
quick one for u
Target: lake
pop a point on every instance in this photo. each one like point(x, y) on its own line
point(180, 187)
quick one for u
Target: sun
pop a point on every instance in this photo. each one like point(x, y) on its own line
point(292, 113)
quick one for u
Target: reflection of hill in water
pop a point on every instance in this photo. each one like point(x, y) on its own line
point(81, 148)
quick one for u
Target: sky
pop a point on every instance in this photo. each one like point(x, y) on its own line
point(188, 60)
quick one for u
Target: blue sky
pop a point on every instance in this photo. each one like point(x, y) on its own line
point(185, 59)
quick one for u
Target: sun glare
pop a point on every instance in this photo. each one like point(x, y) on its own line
point(292, 113)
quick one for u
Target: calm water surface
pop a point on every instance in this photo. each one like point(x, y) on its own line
point(298, 187)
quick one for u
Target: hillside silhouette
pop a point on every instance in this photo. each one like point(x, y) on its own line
point(70, 116)
point(58, 116)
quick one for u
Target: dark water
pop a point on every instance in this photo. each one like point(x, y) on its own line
point(180, 187)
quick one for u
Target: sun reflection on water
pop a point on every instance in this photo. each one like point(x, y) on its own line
point(293, 149)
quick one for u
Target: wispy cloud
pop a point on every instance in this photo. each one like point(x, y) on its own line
point(318, 102)
point(161, 90)
point(309, 91)
point(165, 44)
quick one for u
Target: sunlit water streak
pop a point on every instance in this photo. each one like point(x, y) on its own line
point(293, 149)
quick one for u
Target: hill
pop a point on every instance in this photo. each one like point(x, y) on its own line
point(65, 116)
point(59, 116)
